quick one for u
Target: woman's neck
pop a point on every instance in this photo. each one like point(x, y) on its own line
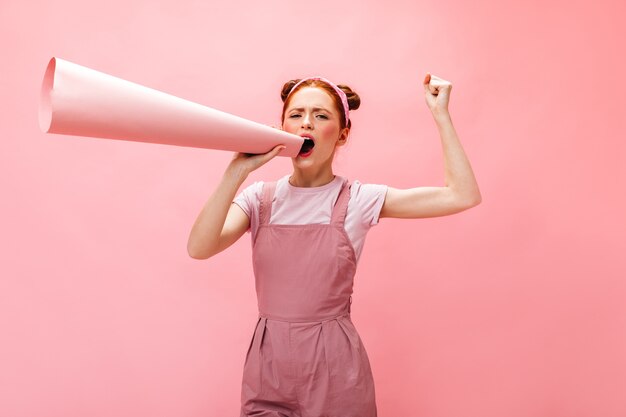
point(301, 178)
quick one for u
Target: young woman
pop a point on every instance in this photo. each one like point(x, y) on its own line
point(305, 357)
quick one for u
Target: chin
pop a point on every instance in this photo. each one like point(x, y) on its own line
point(303, 162)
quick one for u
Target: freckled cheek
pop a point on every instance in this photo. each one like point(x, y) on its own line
point(328, 130)
point(289, 125)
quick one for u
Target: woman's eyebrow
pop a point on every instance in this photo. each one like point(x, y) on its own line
point(314, 108)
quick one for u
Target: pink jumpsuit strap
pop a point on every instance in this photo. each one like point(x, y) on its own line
point(341, 206)
point(265, 208)
point(339, 215)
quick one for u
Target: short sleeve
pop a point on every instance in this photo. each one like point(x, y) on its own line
point(369, 200)
point(249, 199)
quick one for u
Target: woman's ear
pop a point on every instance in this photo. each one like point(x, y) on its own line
point(343, 136)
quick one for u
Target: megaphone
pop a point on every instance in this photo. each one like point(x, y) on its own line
point(76, 100)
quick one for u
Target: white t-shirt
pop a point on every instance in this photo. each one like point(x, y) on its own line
point(313, 205)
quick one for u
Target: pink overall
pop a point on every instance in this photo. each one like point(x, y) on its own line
point(305, 358)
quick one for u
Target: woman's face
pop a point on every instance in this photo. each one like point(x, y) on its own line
point(312, 113)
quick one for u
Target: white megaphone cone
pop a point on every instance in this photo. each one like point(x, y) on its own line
point(77, 100)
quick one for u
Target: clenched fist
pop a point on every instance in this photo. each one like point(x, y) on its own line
point(437, 92)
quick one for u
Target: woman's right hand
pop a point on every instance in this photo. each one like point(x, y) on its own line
point(246, 163)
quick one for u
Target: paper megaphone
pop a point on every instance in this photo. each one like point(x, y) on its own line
point(77, 100)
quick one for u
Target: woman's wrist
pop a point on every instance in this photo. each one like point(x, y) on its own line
point(442, 116)
point(236, 173)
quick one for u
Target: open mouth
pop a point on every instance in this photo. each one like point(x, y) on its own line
point(307, 146)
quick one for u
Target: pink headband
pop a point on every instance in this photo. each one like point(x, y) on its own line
point(342, 95)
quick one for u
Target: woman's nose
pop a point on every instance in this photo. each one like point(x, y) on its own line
point(306, 120)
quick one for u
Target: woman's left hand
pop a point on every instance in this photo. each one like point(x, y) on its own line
point(437, 92)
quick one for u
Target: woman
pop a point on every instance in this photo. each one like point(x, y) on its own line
point(306, 357)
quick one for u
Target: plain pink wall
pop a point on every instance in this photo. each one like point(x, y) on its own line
point(513, 308)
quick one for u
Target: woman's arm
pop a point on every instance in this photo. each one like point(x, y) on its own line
point(221, 223)
point(461, 190)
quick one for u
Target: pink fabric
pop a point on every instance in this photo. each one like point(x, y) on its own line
point(339, 91)
point(311, 205)
point(305, 358)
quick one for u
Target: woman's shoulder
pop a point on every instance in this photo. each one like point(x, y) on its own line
point(367, 200)
point(358, 187)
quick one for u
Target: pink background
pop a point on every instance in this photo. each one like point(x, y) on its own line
point(513, 308)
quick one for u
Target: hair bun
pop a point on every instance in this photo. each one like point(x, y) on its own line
point(287, 87)
point(354, 101)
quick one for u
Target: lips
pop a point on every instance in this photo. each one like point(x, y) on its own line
point(308, 144)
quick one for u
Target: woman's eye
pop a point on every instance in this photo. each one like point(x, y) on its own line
point(293, 116)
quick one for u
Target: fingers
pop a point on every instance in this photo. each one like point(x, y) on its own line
point(428, 83)
point(277, 149)
point(271, 154)
point(434, 84)
point(259, 158)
